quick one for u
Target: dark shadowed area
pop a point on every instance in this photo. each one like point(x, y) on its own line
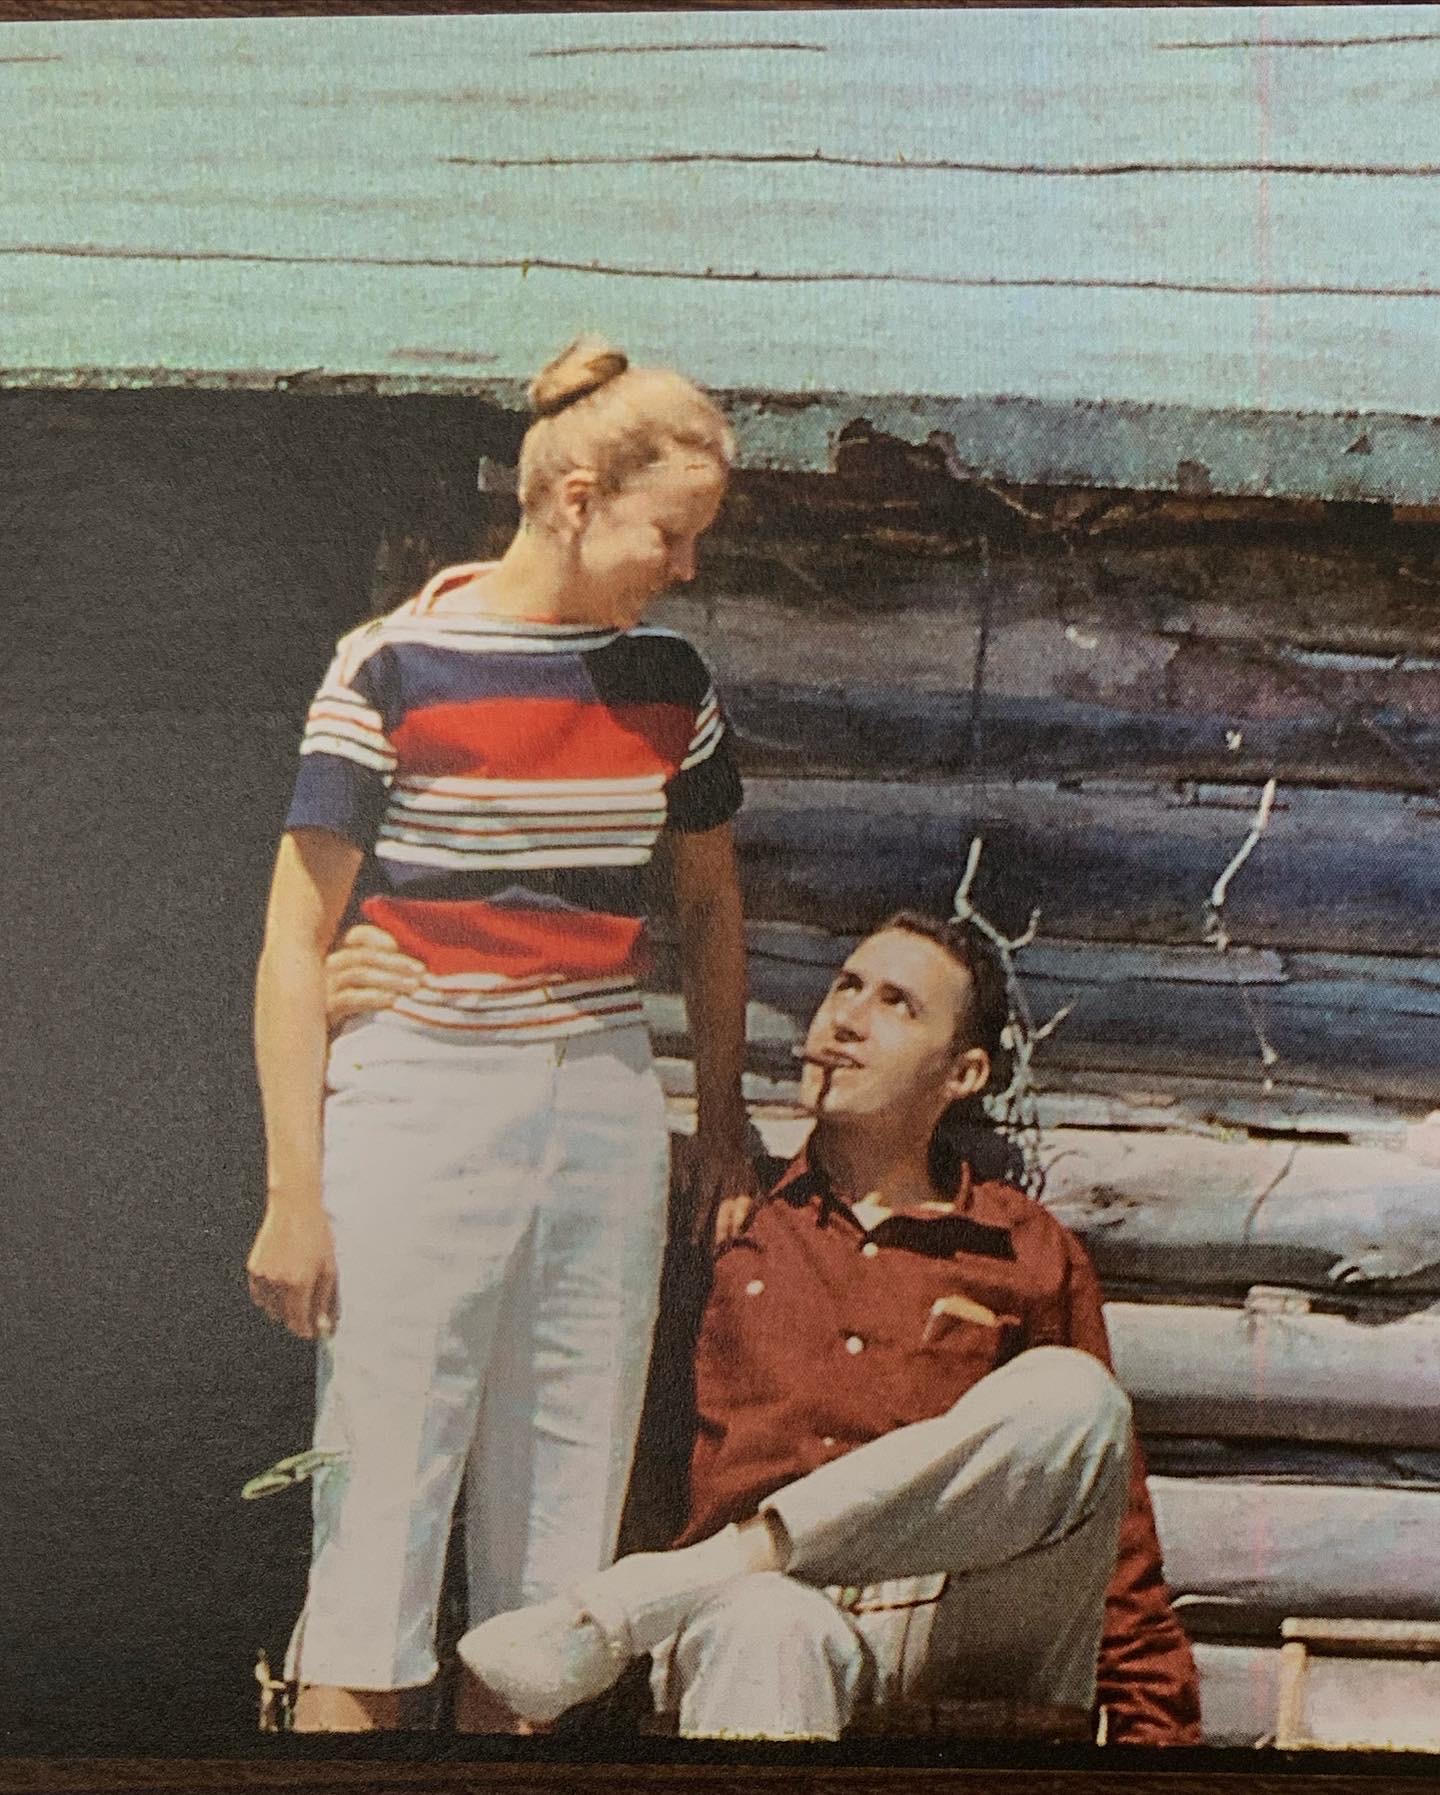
point(176, 570)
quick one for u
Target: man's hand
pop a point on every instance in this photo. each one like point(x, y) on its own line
point(367, 972)
point(292, 1270)
point(722, 1185)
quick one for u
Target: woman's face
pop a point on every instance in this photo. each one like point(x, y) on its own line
point(633, 543)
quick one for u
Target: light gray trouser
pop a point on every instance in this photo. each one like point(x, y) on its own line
point(982, 1543)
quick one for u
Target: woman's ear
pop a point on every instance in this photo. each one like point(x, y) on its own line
point(574, 496)
point(969, 1075)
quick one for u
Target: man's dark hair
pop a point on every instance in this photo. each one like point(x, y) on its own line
point(966, 1131)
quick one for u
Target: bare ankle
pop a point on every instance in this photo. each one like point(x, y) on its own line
point(326, 1708)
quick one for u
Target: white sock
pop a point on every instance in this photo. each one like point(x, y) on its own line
point(644, 1598)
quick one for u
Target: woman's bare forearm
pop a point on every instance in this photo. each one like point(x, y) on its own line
point(313, 879)
point(290, 1048)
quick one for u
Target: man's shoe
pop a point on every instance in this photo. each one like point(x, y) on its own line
point(540, 1661)
point(478, 1710)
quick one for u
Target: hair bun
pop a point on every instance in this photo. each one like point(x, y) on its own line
point(583, 368)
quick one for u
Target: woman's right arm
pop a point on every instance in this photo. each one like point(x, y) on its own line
point(291, 1266)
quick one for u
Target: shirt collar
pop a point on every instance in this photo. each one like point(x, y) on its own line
point(803, 1181)
point(803, 1184)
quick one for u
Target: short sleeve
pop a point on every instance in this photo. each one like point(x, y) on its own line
point(346, 759)
point(706, 791)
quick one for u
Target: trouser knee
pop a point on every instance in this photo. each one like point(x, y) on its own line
point(1071, 1412)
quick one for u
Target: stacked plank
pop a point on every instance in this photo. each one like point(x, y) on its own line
point(1237, 1136)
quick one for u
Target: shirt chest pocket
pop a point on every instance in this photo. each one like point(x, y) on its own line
point(960, 1342)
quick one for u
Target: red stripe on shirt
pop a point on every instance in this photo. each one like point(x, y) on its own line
point(536, 739)
point(475, 936)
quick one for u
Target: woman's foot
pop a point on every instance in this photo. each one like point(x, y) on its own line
point(325, 1708)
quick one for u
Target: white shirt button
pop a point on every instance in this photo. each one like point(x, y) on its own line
point(854, 1344)
point(755, 1286)
point(828, 1442)
point(869, 1250)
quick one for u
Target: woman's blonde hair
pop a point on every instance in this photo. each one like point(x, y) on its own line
point(593, 410)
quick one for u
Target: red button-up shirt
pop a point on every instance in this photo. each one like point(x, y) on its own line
point(813, 1342)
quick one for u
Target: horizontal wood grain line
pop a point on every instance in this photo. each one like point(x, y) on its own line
point(948, 165)
point(751, 276)
point(1304, 43)
point(674, 49)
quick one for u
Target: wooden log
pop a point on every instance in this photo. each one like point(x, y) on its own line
point(1176, 1211)
point(858, 729)
point(1279, 1374)
point(1081, 1097)
point(1156, 1098)
point(1240, 1555)
point(778, 1132)
point(1106, 660)
point(1104, 860)
point(1368, 1701)
point(795, 576)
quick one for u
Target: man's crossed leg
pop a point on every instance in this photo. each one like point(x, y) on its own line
point(1015, 1493)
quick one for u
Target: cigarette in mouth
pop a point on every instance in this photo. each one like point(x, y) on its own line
point(827, 1072)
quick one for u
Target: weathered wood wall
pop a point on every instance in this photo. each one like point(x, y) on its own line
point(940, 221)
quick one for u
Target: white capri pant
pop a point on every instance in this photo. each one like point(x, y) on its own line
point(499, 1213)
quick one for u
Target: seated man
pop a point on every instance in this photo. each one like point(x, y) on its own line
point(914, 1472)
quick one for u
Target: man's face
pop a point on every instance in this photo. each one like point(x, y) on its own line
point(883, 1043)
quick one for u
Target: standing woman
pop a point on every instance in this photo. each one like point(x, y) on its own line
point(475, 1230)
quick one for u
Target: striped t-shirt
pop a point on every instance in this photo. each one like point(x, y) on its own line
point(508, 781)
